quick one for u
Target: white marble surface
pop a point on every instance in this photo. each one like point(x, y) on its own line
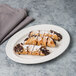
point(59, 12)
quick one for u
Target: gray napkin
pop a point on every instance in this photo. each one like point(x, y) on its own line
point(11, 21)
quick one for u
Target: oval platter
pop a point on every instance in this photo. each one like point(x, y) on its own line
point(29, 59)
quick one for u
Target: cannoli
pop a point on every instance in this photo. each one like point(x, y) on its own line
point(31, 50)
point(45, 41)
point(54, 35)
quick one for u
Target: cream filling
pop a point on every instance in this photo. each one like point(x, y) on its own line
point(36, 48)
point(31, 48)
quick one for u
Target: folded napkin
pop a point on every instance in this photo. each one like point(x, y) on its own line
point(11, 21)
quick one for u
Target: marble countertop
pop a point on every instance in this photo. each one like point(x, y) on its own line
point(58, 12)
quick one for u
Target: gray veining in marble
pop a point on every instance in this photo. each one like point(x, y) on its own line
point(59, 12)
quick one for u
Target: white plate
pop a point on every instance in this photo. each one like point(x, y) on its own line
point(28, 59)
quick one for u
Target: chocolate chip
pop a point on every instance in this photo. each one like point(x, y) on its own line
point(18, 48)
point(34, 36)
point(21, 43)
point(51, 31)
point(44, 50)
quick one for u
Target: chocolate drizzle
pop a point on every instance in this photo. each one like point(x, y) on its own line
point(27, 49)
point(26, 39)
point(53, 41)
point(34, 36)
point(21, 43)
point(46, 41)
point(38, 32)
point(44, 50)
point(29, 34)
